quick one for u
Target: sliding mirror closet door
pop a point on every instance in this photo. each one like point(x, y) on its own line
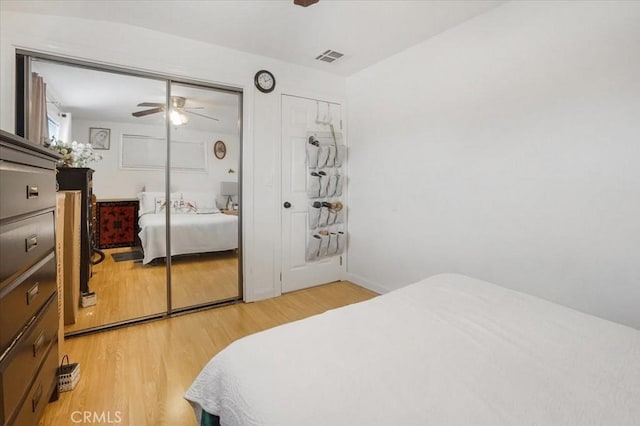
point(113, 205)
point(204, 179)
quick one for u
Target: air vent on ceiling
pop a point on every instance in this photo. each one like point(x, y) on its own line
point(329, 56)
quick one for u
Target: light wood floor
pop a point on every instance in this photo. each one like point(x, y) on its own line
point(129, 289)
point(142, 371)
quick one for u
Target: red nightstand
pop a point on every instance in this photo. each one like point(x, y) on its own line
point(117, 223)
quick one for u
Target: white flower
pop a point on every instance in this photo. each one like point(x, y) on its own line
point(74, 154)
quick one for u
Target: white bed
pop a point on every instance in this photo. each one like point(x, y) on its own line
point(190, 233)
point(449, 350)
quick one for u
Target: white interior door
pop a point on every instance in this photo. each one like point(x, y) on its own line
point(299, 117)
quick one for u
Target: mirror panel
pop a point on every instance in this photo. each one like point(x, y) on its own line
point(96, 107)
point(205, 160)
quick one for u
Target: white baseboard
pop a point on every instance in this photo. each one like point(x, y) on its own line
point(363, 282)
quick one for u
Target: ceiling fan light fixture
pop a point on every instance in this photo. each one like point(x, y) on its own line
point(178, 118)
point(178, 101)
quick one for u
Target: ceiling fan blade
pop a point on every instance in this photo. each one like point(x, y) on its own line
point(147, 112)
point(150, 104)
point(201, 115)
point(305, 3)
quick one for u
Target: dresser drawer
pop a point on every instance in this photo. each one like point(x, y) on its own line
point(25, 358)
point(41, 390)
point(23, 298)
point(29, 188)
point(24, 242)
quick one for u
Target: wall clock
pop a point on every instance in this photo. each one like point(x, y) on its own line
point(219, 150)
point(265, 81)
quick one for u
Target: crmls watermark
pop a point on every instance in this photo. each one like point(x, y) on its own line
point(96, 417)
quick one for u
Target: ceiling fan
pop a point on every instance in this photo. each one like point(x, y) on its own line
point(305, 3)
point(178, 110)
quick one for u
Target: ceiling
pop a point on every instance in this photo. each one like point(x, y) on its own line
point(111, 97)
point(364, 31)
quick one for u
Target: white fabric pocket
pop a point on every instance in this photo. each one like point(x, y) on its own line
point(339, 185)
point(341, 153)
point(324, 217)
point(331, 157)
point(323, 155)
point(312, 155)
point(324, 246)
point(313, 247)
point(331, 186)
point(331, 218)
point(333, 244)
point(313, 185)
point(339, 216)
point(324, 183)
point(314, 214)
point(342, 242)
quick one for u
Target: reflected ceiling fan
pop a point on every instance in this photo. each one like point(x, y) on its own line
point(178, 110)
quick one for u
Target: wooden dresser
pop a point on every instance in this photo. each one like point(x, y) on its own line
point(28, 292)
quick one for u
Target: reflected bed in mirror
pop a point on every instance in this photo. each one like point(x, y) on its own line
point(197, 225)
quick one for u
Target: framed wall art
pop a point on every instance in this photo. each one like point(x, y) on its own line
point(99, 138)
point(219, 150)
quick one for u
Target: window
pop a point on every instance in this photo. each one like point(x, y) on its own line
point(54, 127)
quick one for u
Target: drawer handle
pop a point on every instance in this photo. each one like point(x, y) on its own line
point(31, 242)
point(32, 191)
point(32, 293)
point(36, 398)
point(38, 344)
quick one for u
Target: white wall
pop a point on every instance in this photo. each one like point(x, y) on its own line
point(142, 49)
point(111, 181)
point(507, 148)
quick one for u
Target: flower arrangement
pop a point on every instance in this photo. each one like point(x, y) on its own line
point(74, 154)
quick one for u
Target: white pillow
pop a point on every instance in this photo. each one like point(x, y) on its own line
point(205, 201)
point(185, 206)
point(161, 205)
point(148, 201)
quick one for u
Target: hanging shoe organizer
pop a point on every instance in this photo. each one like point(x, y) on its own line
point(326, 153)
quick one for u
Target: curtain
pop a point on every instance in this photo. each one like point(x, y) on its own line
point(38, 126)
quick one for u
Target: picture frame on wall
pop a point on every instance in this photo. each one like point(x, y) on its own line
point(219, 150)
point(100, 138)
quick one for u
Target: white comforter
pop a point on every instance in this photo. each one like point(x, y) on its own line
point(449, 350)
point(190, 233)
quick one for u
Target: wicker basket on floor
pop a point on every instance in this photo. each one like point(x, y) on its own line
point(68, 375)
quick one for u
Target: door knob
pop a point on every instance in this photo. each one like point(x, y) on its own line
point(287, 204)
